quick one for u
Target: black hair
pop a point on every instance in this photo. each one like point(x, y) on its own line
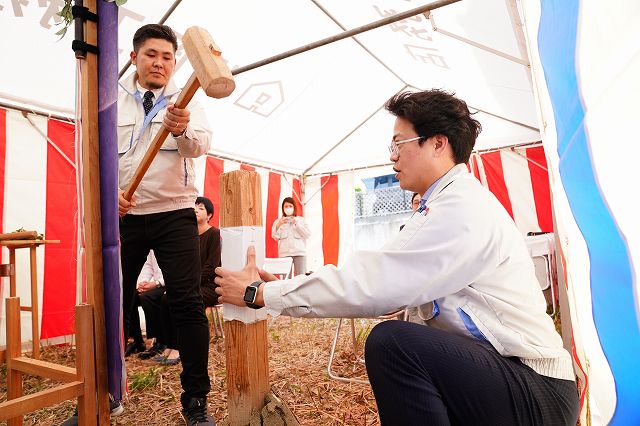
point(208, 205)
point(289, 200)
point(437, 112)
point(148, 31)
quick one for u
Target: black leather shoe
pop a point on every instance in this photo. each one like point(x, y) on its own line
point(195, 413)
point(134, 348)
point(154, 350)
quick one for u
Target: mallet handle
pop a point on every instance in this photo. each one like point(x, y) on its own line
point(183, 100)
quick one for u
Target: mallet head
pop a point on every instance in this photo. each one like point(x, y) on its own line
point(206, 59)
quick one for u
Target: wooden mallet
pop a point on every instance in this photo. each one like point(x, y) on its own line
point(210, 72)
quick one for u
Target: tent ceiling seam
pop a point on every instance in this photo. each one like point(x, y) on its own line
point(249, 163)
point(323, 156)
point(19, 100)
point(353, 169)
point(46, 137)
point(380, 61)
point(512, 150)
point(319, 189)
point(518, 31)
point(514, 146)
point(346, 136)
point(476, 44)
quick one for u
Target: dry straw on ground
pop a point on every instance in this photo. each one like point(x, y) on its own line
point(298, 355)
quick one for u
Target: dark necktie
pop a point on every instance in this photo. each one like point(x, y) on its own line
point(147, 102)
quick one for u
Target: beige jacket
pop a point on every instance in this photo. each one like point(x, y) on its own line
point(292, 238)
point(169, 183)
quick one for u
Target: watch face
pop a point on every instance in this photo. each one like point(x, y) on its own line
point(250, 294)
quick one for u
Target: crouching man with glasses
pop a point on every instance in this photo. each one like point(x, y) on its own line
point(488, 352)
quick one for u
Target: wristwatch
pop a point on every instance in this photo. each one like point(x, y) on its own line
point(251, 293)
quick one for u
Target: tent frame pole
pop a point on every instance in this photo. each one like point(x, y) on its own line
point(346, 34)
point(504, 55)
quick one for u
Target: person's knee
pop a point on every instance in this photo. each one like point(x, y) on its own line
point(379, 340)
point(187, 310)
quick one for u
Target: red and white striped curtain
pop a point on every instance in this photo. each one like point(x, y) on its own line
point(518, 177)
point(275, 188)
point(38, 192)
point(326, 203)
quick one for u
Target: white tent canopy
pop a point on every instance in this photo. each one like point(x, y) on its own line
point(320, 111)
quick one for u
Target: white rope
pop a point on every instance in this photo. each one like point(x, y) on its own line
point(52, 143)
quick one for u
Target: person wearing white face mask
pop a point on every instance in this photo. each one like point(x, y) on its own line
point(291, 232)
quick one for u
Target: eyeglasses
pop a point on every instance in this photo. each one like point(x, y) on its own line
point(393, 147)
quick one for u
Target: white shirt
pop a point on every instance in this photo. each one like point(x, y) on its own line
point(151, 271)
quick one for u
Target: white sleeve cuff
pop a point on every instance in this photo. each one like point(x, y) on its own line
point(272, 298)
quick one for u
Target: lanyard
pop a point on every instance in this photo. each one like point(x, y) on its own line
point(160, 104)
point(423, 209)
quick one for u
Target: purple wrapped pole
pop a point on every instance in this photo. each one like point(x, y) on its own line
point(108, 142)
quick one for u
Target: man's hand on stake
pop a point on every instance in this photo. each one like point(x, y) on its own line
point(234, 283)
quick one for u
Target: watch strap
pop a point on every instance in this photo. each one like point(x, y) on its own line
point(250, 304)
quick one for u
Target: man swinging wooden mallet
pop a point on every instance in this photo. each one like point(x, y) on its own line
point(210, 72)
point(160, 216)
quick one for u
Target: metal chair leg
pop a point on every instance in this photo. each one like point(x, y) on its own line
point(216, 321)
point(330, 371)
point(551, 284)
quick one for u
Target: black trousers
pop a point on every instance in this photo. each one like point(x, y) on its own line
point(169, 330)
point(425, 376)
point(173, 236)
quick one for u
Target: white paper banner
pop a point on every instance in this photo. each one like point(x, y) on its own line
point(235, 242)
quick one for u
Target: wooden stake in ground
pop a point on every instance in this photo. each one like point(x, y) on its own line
point(245, 343)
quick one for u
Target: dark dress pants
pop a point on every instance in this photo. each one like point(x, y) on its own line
point(173, 236)
point(170, 333)
point(424, 376)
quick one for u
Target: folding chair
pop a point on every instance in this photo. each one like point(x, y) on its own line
point(281, 267)
point(359, 359)
point(542, 252)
